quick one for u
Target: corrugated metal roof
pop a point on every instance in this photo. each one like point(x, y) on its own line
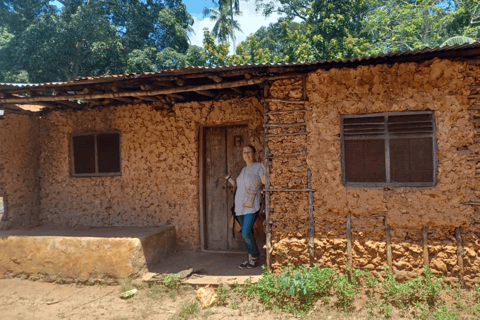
point(194, 69)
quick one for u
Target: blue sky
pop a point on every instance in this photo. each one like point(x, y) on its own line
point(250, 21)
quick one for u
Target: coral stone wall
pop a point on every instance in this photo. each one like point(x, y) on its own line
point(441, 86)
point(19, 181)
point(160, 175)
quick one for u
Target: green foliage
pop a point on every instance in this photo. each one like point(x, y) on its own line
point(188, 311)
point(172, 281)
point(295, 290)
point(420, 290)
point(445, 314)
point(345, 291)
point(91, 38)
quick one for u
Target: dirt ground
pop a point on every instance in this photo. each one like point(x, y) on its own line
point(26, 299)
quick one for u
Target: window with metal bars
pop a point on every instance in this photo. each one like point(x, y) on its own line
point(96, 154)
point(389, 149)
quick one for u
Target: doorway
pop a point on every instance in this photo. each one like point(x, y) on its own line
point(222, 149)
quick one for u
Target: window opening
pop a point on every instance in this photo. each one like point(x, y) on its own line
point(389, 149)
point(96, 154)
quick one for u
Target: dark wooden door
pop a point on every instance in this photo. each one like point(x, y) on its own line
point(223, 154)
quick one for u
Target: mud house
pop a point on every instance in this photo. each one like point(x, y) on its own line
point(371, 161)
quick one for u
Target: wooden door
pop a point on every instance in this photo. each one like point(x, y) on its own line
point(223, 147)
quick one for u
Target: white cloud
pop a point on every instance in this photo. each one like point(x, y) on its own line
point(250, 21)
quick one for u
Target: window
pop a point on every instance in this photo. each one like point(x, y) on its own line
point(96, 154)
point(391, 149)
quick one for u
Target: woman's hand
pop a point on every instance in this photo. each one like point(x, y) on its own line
point(230, 180)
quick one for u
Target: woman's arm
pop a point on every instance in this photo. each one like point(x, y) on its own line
point(262, 176)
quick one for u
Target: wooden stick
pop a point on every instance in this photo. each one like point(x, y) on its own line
point(311, 229)
point(288, 190)
point(288, 111)
point(281, 125)
point(460, 253)
point(349, 242)
point(285, 101)
point(474, 96)
point(222, 85)
point(288, 134)
point(289, 155)
point(206, 93)
point(304, 87)
point(389, 245)
point(425, 245)
point(474, 107)
point(268, 224)
point(217, 79)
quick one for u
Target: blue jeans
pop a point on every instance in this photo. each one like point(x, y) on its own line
point(246, 221)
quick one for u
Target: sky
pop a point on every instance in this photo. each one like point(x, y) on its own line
point(250, 21)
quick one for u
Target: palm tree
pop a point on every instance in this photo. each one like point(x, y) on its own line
point(225, 26)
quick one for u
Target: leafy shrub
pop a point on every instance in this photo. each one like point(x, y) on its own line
point(345, 291)
point(295, 290)
point(421, 289)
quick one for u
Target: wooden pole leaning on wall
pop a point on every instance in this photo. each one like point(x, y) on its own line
point(460, 253)
point(349, 244)
point(389, 245)
point(425, 245)
point(311, 221)
point(268, 225)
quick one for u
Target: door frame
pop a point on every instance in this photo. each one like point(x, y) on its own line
point(201, 179)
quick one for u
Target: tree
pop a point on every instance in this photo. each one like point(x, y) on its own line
point(93, 37)
point(225, 25)
point(410, 25)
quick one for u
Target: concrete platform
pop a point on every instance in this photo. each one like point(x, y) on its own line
point(82, 254)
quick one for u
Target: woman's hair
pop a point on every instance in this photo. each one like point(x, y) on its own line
point(251, 148)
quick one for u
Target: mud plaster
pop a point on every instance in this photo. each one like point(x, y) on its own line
point(19, 181)
point(441, 86)
point(159, 150)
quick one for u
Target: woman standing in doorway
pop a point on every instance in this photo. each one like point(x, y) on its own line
point(248, 201)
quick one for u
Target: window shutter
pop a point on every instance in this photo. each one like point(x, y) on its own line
point(411, 148)
point(364, 152)
point(84, 154)
point(108, 152)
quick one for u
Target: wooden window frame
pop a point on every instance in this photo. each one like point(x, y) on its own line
point(387, 137)
point(96, 173)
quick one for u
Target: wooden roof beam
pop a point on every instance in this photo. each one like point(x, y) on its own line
point(238, 91)
point(206, 93)
point(164, 91)
point(176, 96)
point(215, 78)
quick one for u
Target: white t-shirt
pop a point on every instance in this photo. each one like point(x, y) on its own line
point(249, 188)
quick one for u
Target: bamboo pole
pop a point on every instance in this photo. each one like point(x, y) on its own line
point(460, 253)
point(389, 245)
point(349, 243)
point(425, 245)
point(311, 230)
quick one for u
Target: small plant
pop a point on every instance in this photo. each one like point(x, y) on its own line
point(172, 281)
point(345, 292)
point(189, 310)
point(445, 314)
point(295, 289)
point(222, 295)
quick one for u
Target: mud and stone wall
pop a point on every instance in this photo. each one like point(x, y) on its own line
point(19, 180)
point(159, 183)
point(441, 86)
